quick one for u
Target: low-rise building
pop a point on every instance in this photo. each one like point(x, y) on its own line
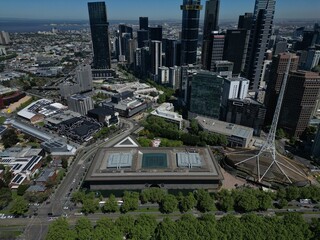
point(104, 115)
point(237, 136)
point(166, 111)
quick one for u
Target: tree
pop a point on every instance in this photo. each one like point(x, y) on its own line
point(78, 197)
point(229, 228)
point(194, 126)
point(60, 229)
point(153, 195)
point(144, 228)
point(169, 204)
point(280, 134)
point(89, 206)
point(22, 189)
point(225, 200)
point(84, 229)
point(205, 202)
point(106, 229)
point(19, 206)
point(187, 203)
point(10, 138)
point(166, 230)
point(130, 202)
point(111, 204)
point(292, 193)
point(315, 228)
point(5, 197)
point(265, 201)
point(246, 201)
point(282, 203)
point(296, 227)
point(64, 163)
point(125, 223)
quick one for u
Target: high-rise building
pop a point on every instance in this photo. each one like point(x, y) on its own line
point(312, 60)
point(245, 21)
point(211, 18)
point(172, 53)
point(80, 104)
point(145, 61)
point(310, 39)
point(163, 77)
point(100, 35)
point(130, 53)
point(277, 71)
point(217, 46)
point(174, 77)
point(235, 48)
point(143, 37)
point(235, 88)
point(280, 47)
point(210, 24)
point(223, 68)
point(156, 56)
point(302, 92)
point(205, 94)
point(4, 38)
point(143, 23)
point(259, 38)
point(82, 82)
point(155, 33)
point(246, 112)
point(190, 31)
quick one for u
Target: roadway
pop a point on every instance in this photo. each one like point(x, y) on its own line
point(37, 227)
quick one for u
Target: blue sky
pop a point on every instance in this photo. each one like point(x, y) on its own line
point(154, 9)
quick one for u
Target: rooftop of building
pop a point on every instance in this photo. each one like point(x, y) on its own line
point(224, 128)
point(79, 97)
point(102, 111)
point(153, 163)
point(62, 116)
point(166, 110)
point(242, 79)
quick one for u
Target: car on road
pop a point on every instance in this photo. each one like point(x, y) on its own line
point(65, 207)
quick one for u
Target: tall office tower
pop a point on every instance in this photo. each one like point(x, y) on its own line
point(4, 38)
point(190, 31)
point(125, 33)
point(143, 23)
point(205, 95)
point(171, 52)
point(217, 46)
point(235, 88)
point(310, 39)
point(302, 92)
point(84, 77)
point(245, 21)
point(236, 47)
point(143, 37)
point(259, 37)
point(163, 77)
point(155, 33)
point(100, 35)
point(145, 61)
point(210, 24)
point(130, 53)
point(174, 77)
point(278, 69)
point(137, 60)
point(80, 103)
point(312, 60)
point(156, 56)
point(280, 47)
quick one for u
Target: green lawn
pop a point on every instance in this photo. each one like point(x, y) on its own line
point(2, 119)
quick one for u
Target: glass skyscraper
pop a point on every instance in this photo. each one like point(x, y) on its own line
point(206, 94)
point(259, 39)
point(100, 35)
point(211, 18)
point(190, 31)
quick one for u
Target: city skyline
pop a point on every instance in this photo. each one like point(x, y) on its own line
point(166, 9)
